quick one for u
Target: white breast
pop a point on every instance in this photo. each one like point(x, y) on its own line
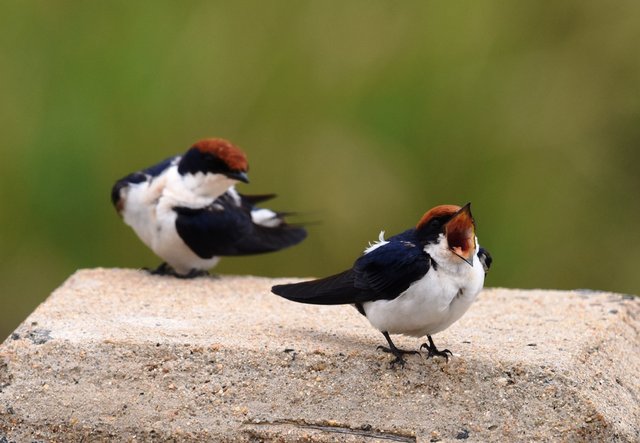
point(433, 303)
point(140, 204)
point(148, 209)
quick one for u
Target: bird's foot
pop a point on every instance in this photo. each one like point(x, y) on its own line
point(398, 354)
point(433, 351)
point(163, 269)
point(167, 270)
point(194, 273)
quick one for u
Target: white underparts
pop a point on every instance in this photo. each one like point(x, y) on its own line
point(434, 302)
point(149, 210)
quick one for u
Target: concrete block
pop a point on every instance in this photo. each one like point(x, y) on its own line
point(119, 355)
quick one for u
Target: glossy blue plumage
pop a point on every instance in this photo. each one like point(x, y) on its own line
point(383, 273)
point(226, 228)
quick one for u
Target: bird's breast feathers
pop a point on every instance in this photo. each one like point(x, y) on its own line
point(149, 210)
point(140, 205)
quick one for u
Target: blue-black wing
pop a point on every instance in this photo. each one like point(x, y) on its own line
point(224, 229)
point(383, 273)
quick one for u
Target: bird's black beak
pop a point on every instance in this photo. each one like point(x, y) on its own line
point(460, 231)
point(241, 176)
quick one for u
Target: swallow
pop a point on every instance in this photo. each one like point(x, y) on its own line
point(416, 283)
point(187, 211)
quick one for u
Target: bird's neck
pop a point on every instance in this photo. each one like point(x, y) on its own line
point(206, 185)
point(196, 189)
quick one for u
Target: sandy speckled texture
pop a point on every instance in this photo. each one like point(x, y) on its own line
point(119, 354)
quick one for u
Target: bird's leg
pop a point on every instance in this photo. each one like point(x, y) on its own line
point(433, 351)
point(395, 351)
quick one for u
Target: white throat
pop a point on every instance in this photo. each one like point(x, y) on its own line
point(196, 189)
point(443, 256)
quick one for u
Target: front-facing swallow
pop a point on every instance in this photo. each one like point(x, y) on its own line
point(416, 283)
point(187, 211)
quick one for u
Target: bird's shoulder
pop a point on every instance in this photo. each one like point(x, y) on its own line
point(159, 168)
point(151, 172)
point(402, 247)
point(389, 269)
point(144, 175)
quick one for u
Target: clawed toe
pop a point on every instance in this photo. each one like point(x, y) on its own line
point(396, 351)
point(194, 273)
point(398, 361)
point(435, 352)
point(392, 349)
point(163, 269)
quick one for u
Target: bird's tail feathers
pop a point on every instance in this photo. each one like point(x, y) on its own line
point(334, 290)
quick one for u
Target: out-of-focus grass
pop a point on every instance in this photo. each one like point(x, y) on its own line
point(362, 114)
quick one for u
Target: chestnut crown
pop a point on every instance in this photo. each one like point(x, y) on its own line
point(216, 156)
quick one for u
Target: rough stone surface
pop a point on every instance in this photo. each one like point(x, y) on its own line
point(122, 355)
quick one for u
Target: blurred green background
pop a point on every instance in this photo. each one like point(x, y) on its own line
point(362, 114)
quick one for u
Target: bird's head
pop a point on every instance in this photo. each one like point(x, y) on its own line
point(215, 156)
point(453, 224)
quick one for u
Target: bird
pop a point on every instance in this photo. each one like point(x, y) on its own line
point(416, 283)
point(187, 211)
